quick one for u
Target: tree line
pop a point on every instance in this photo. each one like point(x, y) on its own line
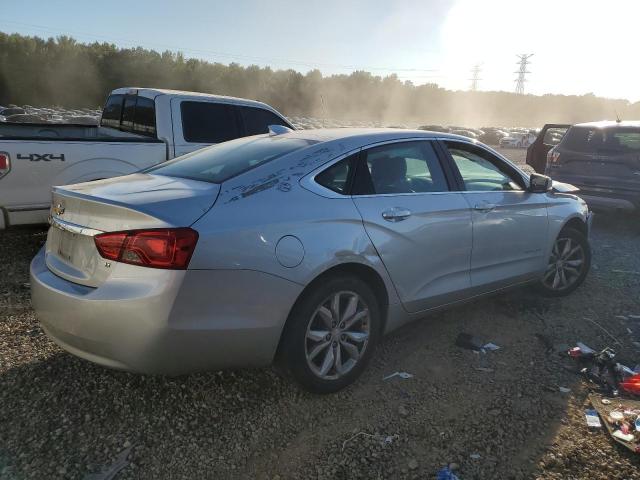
point(62, 71)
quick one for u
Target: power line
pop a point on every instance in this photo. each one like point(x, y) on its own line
point(213, 53)
point(475, 77)
point(522, 72)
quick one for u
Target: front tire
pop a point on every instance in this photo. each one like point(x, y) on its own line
point(331, 334)
point(568, 264)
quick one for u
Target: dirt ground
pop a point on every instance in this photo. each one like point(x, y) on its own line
point(62, 417)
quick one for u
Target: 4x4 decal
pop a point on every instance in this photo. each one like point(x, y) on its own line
point(45, 157)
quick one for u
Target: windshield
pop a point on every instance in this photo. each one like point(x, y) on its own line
point(221, 162)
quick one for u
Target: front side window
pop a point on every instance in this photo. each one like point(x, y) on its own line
point(404, 167)
point(219, 163)
point(257, 120)
point(482, 171)
point(206, 122)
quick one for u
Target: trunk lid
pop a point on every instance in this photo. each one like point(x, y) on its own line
point(132, 202)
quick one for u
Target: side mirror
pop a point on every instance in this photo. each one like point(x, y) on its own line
point(539, 183)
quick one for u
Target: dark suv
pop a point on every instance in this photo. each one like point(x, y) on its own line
point(603, 160)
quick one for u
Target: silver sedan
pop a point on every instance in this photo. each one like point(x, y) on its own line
point(301, 248)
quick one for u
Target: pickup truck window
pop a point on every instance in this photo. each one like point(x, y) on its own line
point(221, 162)
point(112, 111)
point(130, 113)
point(207, 122)
point(257, 120)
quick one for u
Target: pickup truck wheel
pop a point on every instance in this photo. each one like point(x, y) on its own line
point(568, 264)
point(331, 334)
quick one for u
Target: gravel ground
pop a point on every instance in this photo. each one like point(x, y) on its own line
point(62, 417)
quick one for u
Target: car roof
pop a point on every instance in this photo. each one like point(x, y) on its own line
point(609, 124)
point(369, 135)
point(198, 96)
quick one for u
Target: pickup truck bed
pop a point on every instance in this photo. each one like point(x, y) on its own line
point(140, 127)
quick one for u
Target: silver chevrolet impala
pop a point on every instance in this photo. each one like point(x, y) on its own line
point(301, 248)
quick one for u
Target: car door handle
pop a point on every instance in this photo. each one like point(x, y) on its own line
point(396, 214)
point(484, 207)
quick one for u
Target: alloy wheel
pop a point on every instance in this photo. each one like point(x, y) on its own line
point(566, 264)
point(337, 335)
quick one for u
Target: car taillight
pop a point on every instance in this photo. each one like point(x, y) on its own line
point(159, 248)
point(5, 164)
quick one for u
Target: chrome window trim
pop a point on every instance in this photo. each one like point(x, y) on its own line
point(72, 227)
point(309, 183)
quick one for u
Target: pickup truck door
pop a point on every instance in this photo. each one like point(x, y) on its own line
point(198, 124)
point(549, 137)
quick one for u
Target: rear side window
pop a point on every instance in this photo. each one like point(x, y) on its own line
point(337, 176)
point(219, 163)
point(553, 136)
point(405, 167)
point(205, 122)
point(130, 113)
point(112, 111)
point(257, 120)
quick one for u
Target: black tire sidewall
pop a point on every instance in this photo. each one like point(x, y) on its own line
point(579, 237)
point(296, 330)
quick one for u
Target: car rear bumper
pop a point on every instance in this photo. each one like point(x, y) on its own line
point(172, 323)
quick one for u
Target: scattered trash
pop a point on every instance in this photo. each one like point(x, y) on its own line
point(446, 473)
point(602, 369)
point(622, 420)
point(475, 456)
point(625, 437)
point(403, 375)
point(490, 347)
point(468, 341)
point(564, 389)
point(592, 419)
point(389, 439)
point(110, 472)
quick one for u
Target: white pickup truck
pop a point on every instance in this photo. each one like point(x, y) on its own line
point(140, 127)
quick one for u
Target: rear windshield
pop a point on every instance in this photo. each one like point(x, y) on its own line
point(592, 139)
point(221, 162)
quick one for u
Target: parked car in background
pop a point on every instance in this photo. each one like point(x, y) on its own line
point(550, 136)
point(301, 247)
point(517, 140)
point(140, 127)
point(603, 160)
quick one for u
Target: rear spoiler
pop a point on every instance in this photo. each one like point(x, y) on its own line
point(564, 187)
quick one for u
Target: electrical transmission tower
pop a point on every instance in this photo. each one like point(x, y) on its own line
point(475, 77)
point(522, 72)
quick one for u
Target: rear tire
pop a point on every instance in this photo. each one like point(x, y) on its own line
point(331, 334)
point(568, 265)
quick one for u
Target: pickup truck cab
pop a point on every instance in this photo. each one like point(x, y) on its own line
point(139, 128)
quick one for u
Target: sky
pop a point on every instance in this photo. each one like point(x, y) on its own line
point(578, 46)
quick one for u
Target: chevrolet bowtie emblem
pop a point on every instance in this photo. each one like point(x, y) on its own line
point(58, 209)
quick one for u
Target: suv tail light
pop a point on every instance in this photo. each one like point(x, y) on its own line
point(169, 248)
point(5, 164)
